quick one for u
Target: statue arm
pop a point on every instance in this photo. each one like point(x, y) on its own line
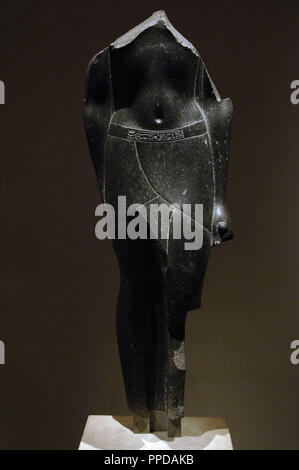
point(218, 114)
point(99, 107)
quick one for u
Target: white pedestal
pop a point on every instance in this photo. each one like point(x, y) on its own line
point(116, 433)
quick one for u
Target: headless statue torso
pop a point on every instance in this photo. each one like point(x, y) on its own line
point(158, 132)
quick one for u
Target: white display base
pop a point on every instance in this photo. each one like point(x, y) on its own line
point(116, 433)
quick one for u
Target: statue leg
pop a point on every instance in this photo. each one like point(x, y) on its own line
point(134, 341)
point(151, 318)
point(176, 371)
point(140, 292)
point(167, 397)
point(151, 341)
point(182, 290)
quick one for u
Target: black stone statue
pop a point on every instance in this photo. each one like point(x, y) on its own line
point(158, 132)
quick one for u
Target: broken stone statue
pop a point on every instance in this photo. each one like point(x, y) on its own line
point(158, 132)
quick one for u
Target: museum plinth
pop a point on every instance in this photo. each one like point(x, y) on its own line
point(116, 433)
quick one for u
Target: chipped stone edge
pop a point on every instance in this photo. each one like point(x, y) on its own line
point(159, 17)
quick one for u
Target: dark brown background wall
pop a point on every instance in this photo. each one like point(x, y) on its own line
point(59, 283)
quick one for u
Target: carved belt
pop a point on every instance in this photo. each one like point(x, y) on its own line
point(169, 135)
